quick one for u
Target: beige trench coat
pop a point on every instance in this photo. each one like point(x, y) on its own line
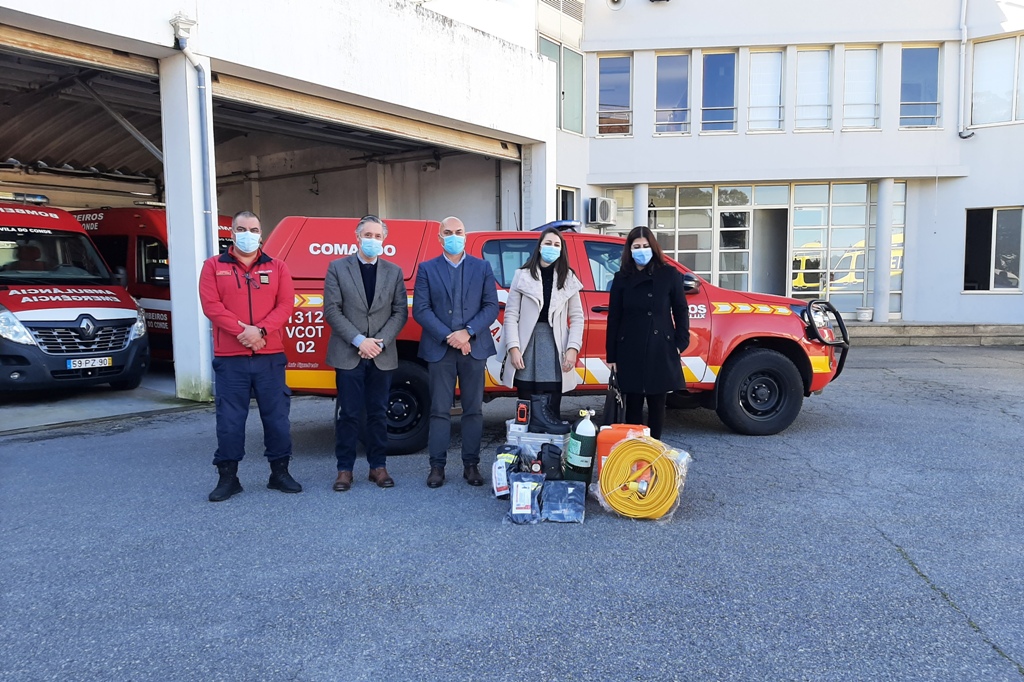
point(522, 310)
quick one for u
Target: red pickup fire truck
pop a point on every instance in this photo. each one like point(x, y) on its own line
point(752, 357)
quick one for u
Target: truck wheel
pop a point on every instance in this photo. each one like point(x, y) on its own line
point(761, 393)
point(129, 384)
point(408, 409)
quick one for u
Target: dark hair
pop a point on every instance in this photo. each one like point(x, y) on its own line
point(243, 214)
point(626, 265)
point(561, 264)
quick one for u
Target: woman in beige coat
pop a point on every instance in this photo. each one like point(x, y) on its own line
point(543, 327)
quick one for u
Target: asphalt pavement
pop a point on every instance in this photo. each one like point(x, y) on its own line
point(879, 538)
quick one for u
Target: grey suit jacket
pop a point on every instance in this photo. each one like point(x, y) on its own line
point(349, 314)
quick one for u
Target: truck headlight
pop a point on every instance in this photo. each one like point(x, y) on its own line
point(820, 318)
point(12, 329)
point(139, 328)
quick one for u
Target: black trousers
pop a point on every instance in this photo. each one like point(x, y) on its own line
point(469, 372)
point(655, 411)
point(524, 389)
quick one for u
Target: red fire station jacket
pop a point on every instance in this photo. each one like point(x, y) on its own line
point(262, 295)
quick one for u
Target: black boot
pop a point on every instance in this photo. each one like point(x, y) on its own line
point(280, 479)
point(228, 484)
point(541, 419)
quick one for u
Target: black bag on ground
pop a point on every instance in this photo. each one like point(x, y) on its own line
point(614, 403)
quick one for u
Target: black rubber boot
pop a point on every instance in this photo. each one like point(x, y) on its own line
point(228, 484)
point(280, 479)
point(541, 419)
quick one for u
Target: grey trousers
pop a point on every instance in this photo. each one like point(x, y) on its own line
point(470, 374)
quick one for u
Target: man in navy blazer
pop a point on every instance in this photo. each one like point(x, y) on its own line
point(455, 301)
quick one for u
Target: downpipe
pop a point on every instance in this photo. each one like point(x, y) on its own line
point(204, 140)
point(961, 132)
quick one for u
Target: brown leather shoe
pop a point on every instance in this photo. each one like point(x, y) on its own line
point(472, 475)
point(436, 477)
point(381, 477)
point(344, 481)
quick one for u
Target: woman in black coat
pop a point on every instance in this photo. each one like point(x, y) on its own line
point(648, 327)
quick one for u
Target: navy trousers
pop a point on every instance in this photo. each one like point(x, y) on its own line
point(469, 372)
point(238, 378)
point(362, 389)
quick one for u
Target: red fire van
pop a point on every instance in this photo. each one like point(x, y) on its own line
point(752, 357)
point(135, 238)
point(64, 319)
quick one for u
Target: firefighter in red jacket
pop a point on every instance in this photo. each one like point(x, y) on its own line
point(249, 297)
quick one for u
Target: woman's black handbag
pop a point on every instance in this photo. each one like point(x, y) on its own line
point(614, 403)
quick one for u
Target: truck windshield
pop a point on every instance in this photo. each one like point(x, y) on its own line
point(37, 256)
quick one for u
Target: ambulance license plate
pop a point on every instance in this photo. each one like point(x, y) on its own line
point(83, 363)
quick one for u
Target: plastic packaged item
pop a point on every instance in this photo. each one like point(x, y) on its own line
point(608, 436)
point(524, 507)
point(579, 455)
point(551, 457)
point(642, 479)
point(504, 459)
point(563, 501)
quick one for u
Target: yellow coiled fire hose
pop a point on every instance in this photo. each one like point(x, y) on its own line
point(639, 479)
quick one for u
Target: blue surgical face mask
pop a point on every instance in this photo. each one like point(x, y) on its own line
point(371, 248)
point(247, 242)
point(549, 254)
point(642, 256)
point(454, 244)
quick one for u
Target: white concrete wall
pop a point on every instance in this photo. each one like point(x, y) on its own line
point(438, 69)
point(514, 21)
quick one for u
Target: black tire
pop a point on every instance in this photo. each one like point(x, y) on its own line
point(761, 393)
point(408, 409)
point(129, 384)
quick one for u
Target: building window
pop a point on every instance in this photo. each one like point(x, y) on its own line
point(919, 87)
point(992, 249)
point(766, 110)
point(997, 95)
point(566, 203)
point(672, 107)
point(813, 91)
point(718, 112)
point(569, 66)
point(860, 91)
point(614, 99)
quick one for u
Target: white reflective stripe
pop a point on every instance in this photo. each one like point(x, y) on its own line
point(695, 370)
point(71, 314)
point(155, 304)
point(597, 370)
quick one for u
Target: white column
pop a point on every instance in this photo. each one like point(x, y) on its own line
point(641, 195)
point(189, 243)
point(883, 249)
point(538, 184)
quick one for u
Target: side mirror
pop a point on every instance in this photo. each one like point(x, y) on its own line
point(691, 283)
point(121, 275)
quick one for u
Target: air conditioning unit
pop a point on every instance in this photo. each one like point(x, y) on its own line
point(601, 211)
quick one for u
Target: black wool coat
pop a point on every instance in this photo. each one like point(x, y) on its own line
point(648, 327)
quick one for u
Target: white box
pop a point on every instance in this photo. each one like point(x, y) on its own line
point(517, 434)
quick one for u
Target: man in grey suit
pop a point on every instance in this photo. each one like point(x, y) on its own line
point(366, 307)
point(455, 301)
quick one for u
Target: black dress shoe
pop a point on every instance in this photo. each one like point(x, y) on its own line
point(472, 475)
point(436, 477)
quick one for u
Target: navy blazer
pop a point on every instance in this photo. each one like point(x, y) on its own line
point(432, 306)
